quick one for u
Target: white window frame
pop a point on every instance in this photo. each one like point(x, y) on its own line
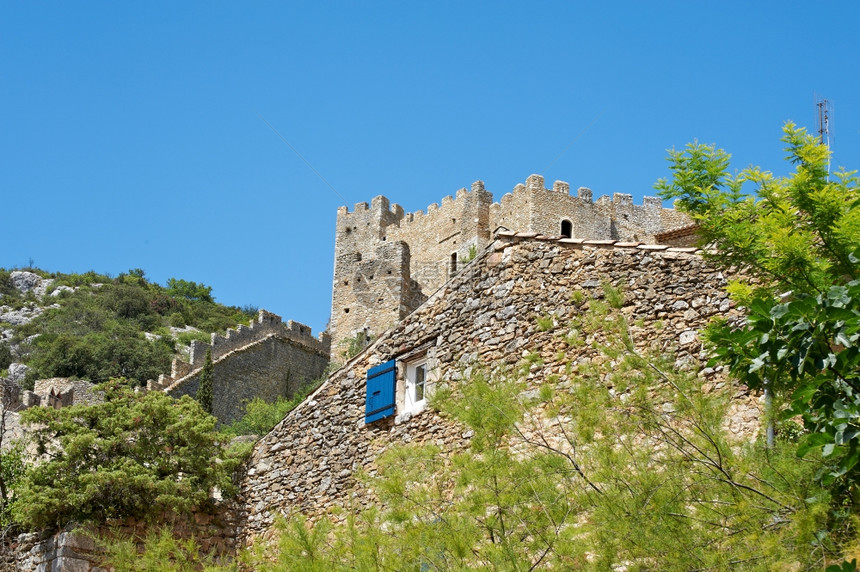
point(416, 377)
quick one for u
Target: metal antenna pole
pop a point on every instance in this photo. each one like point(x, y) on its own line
point(824, 125)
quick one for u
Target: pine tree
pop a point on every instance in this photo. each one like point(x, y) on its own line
point(204, 391)
point(137, 454)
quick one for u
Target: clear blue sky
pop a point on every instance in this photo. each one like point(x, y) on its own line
point(131, 132)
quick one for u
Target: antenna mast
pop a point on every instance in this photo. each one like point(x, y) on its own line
point(824, 110)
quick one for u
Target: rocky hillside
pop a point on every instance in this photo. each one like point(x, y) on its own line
point(95, 327)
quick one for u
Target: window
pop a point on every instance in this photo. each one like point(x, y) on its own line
point(413, 387)
point(416, 386)
point(566, 228)
point(453, 263)
point(417, 372)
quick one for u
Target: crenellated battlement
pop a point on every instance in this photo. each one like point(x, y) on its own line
point(378, 204)
point(265, 325)
point(535, 184)
point(453, 209)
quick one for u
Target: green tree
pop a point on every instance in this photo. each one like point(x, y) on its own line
point(794, 233)
point(137, 454)
point(796, 238)
point(180, 288)
point(204, 390)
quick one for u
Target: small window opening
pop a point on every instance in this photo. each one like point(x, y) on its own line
point(566, 228)
point(346, 310)
point(453, 221)
point(453, 263)
point(346, 282)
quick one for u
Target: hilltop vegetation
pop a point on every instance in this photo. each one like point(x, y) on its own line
point(91, 326)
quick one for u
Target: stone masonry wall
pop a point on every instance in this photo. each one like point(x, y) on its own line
point(378, 278)
point(269, 359)
point(271, 368)
point(77, 551)
point(440, 239)
point(486, 315)
point(444, 232)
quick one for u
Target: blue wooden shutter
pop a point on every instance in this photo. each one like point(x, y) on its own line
point(380, 392)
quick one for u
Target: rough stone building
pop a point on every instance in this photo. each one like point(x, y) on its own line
point(387, 262)
point(268, 359)
point(485, 316)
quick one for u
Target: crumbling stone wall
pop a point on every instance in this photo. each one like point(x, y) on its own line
point(438, 241)
point(268, 359)
point(10, 395)
point(486, 315)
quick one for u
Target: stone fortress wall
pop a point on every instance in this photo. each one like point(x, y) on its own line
point(485, 316)
point(376, 284)
point(267, 359)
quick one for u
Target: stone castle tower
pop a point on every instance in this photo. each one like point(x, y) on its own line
point(388, 262)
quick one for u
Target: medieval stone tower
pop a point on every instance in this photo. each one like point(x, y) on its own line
point(388, 262)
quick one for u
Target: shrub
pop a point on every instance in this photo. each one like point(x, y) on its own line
point(126, 301)
point(613, 296)
point(353, 346)
point(545, 323)
point(185, 338)
point(177, 320)
point(261, 416)
point(473, 252)
point(76, 280)
point(161, 550)
point(7, 290)
point(162, 304)
point(11, 470)
point(5, 356)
